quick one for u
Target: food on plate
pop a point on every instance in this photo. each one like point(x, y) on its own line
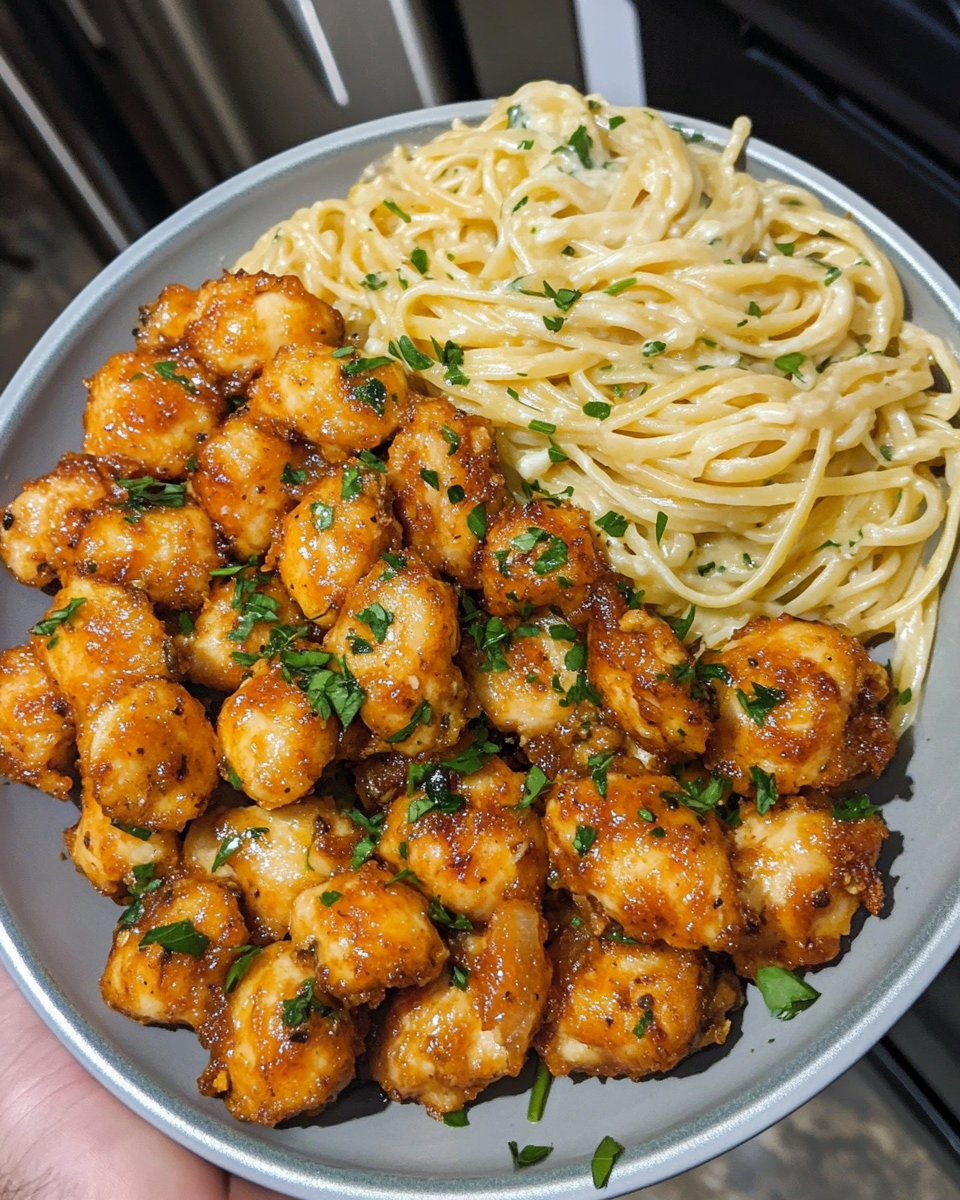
point(440, 652)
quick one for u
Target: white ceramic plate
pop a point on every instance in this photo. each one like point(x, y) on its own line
point(55, 930)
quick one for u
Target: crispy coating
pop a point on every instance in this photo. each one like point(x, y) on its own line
point(164, 322)
point(107, 854)
point(167, 553)
point(37, 733)
point(803, 875)
point(241, 321)
point(206, 653)
point(824, 727)
point(239, 481)
point(616, 1009)
point(149, 755)
point(266, 1068)
point(156, 986)
point(667, 880)
point(646, 678)
point(369, 932)
point(332, 538)
point(41, 527)
point(560, 568)
point(112, 639)
point(461, 451)
point(150, 410)
point(477, 857)
point(273, 738)
point(311, 392)
point(441, 1045)
point(299, 846)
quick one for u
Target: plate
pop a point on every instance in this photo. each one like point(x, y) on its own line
point(55, 930)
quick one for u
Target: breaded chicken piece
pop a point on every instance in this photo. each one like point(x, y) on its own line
point(472, 848)
point(443, 464)
point(370, 932)
point(398, 632)
point(151, 411)
point(646, 678)
point(37, 732)
point(652, 864)
point(617, 1009)
point(280, 1047)
point(175, 977)
point(40, 529)
point(799, 699)
point(540, 554)
point(332, 538)
point(803, 874)
point(442, 1044)
point(163, 323)
point(323, 397)
point(107, 854)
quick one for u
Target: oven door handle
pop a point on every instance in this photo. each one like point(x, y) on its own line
point(300, 19)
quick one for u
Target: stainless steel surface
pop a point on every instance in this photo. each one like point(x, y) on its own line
point(669, 1125)
point(301, 16)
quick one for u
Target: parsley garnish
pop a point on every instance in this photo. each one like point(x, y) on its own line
point(144, 882)
point(456, 494)
point(369, 459)
point(766, 785)
point(415, 359)
point(460, 977)
point(615, 122)
point(613, 523)
point(147, 492)
point(168, 371)
point(297, 1012)
point(328, 899)
point(352, 484)
point(422, 715)
point(554, 324)
point(430, 478)
point(452, 438)
point(373, 282)
point(621, 285)
point(584, 838)
point(786, 248)
point(477, 521)
point(597, 408)
point(322, 515)
point(230, 845)
point(609, 1150)
point(681, 625)
point(240, 965)
point(395, 564)
point(456, 1120)
point(541, 426)
point(359, 365)
point(564, 299)
point(652, 349)
point(372, 392)
point(641, 1027)
point(397, 211)
point(533, 785)
point(854, 808)
point(378, 618)
point(440, 916)
point(765, 700)
point(373, 829)
point(539, 1094)
point(327, 691)
point(182, 937)
point(516, 117)
point(419, 260)
point(552, 558)
point(450, 357)
point(700, 795)
point(580, 142)
point(49, 625)
point(529, 1156)
point(661, 526)
point(784, 993)
point(291, 476)
point(138, 831)
point(790, 363)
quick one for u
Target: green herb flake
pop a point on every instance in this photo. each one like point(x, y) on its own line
point(597, 408)
point(652, 349)
point(441, 916)
point(297, 1012)
point(583, 839)
point(599, 765)
point(370, 460)
point(790, 364)
point(430, 478)
point(661, 526)
point(539, 1093)
point(397, 211)
point(452, 438)
point(328, 899)
point(854, 808)
point(786, 248)
point(606, 1154)
point(456, 494)
point(373, 282)
point(887, 453)
point(146, 492)
point(644, 814)
point(456, 1120)
point(533, 785)
point(539, 426)
point(529, 1156)
point(422, 715)
point(140, 832)
point(419, 260)
point(552, 558)
point(292, 476)
point(580, 142)
point(641, 1027)
point(766, 786)
point(322, 515)
point(613, 523)
point(616, 122)
point(516, 117)
point(460, 977)
point(699, 795)
point(49, 625)
point(352, 484)
point(415, 359)
point(477, 521)
point(784, 993)
point(240, 965)
point(168, 371)
point(753, 309)
point(378, 619)
point(554, 324)
point(520, 203)
point(832, 274)
point(763, 702)
point(231, 844)
point(181, 937)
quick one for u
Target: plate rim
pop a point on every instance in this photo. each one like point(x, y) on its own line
point(677, 1150)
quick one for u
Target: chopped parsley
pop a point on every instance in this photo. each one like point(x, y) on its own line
point(854, 808)
point(613, 523)
point(440, 916)
point(790, 364)
point(784, 993)
point(652, 349)
point(397, 211)
point(699, 795)
point(419, 260)
point(460, 977)
point(681, 625)
point(766, 785)
point(369, 459)
point(297, 1012)
point(606, 1154)
point(292, 476)
point(786, 248)
point(583, 839)
point(328, 899)
point(327, 691)
point(533, 785)
point(616, 122)
point(373, 282)
point(452, 438)
point(422, 715)
point(378, 618)
point(322, 515)
point(181, 937)
point(597, 408)
point(49, 626)
point(541, 426)
point(621, 285)
point(372, 827)
point(552, 558)
point(641, 1027)
point(764, 701)
point(456, 1120)
point(240, 965)
point(580, 142)
point(168, 371)
point(415, 359)
point(539, 1093)
point(373, 393)
point(430, 478)
point(145, 880)
point(599, 765)
point(147, 492)
point(529, 1156)
point(477, 521)
point(554, 324)
point(231, 844)
point(352, 485)
point(661, 526)
point(450, 357)
point(140, 832)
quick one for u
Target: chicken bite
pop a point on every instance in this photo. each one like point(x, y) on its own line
point(443, 464)
point(108, 854)
point(150, 411)
point(245, 481)
point(646, 678)
point(280, 1048)
point(617, 1009)
point(169, 966)
point(541, 554)
point(398, 632)
point(163, 323)
point(332, 538)
point(37, 733)
point(803, 874)
point(648, 861)
point(149, 755)
point(468, 843)
point(40, 529)
point(272, 856)
point(369, 931)
point(273, 739)
point(168, 553)
point(442, 1044)
point(324, 397)
point(800, 700)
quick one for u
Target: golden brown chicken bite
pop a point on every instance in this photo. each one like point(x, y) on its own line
point(169, 967)
point(107, 853)
point(168, 553)
point(241, 321)
point(324, 397)
point(273, 738)
point(280, 1047)
point(443, 464)
point(617, 1009)
point(332, 538)
point(245, 481)
point(37, 733)
point(164, 322)
point(99, 637)
point(151, 411)
point(442, 1044)
point(40, 529)
point(646, 677)
point(540, 554)
point(398, 633)
point(649, 862)
point(801, 700)
point(369, 931)
point(803, 874)
point(467, 842)
point(272, 856)
point(149, 755)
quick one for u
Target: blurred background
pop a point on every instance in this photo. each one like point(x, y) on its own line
point(114, 113)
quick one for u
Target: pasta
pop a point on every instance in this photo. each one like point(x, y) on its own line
point(718, 359)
